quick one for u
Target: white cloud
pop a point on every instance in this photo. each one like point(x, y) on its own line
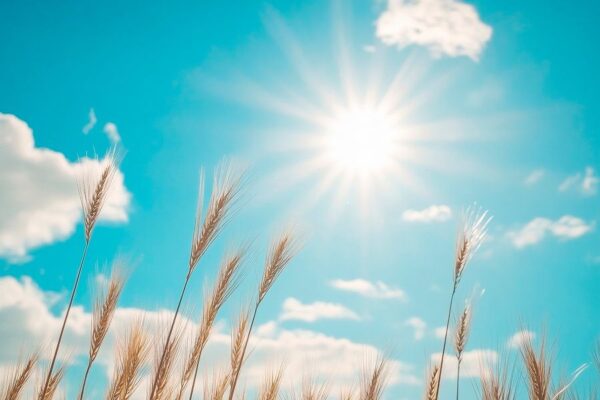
point(375, 290)
point(293, 309)
point(419, 326)
point(440, 332)
point(520, 337)
point(111, 131)
point(566, 227)
point(40, 203)
point(369, 48)
point(474, 363)
point(91, 122)
point(534, 177)
point(586, 183)
point(446, 27)
point(25, 311)
point(435, 213)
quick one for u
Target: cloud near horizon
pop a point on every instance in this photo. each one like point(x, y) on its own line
point(566, 227)
point(29, 310)
point(40, 202)
point(294, 309)
point(446, 27)
point(365, 288)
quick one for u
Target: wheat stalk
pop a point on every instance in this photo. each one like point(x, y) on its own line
point(50, 385)
point(92, 193)
point(216, 389)
point(472, 233)
point(15, 382)
point(432, 383)
point(269, 389)
point(237, 356)
point(373, 382)
point(310, 390)
point(132, 352)
point(226, 190)
point(160, 388)
point(538, 370)
point(463, 329)
point(104, 310)
point(227, 281)
point(496, 383)
point(279, 256)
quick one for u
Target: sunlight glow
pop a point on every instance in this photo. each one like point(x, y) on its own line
point(360, 141)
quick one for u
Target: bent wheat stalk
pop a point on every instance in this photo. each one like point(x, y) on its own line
point(226, 190)
point(472, 233)
point(104, 310)
point(132, 352)
point(92, 193)
point(280, 254)
point(15, 382)
point(227, 282)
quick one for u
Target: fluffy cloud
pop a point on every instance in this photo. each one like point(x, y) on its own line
point(293, 309)
point(566, 227)
point(446, 27)
point(418, 325)
point(375, 290)
point(473, 365)
point(586, 183)
point(91, 122)
point(435, 213)
point(520, 337)
point(39, 203)
point(439, 332)
point(111, 131)
point(26, 312)
point(534, 177)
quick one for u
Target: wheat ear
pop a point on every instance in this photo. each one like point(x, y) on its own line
point(472, 232)
point(269, 389)
point(281, 253)
point(15, 382)
point(373, 381)
point(432, 383)
point(463, 329)
point(227, 281)
point(131, 353)
point(226, 190)
point(102, 315)
point(92, 193)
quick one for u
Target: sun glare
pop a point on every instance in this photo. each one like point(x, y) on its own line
point(360, 142)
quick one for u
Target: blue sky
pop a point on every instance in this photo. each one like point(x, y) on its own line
point(496, 108)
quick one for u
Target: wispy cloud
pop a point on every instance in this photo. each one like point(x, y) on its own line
point(365, 288)
point(91, 122)
point(567, 227)
point(439, 332)
point(517, 340)
point(435, 213)
point(418, 325)
point(293, 309)
point(446, 27)
point(39, 203)
point(534, 177)
point(473, 364)
point(585, 183)
point(111, 131)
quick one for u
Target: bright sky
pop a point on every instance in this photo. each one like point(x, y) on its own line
point(367, 125)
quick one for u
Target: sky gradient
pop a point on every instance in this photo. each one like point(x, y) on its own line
point(490, 103)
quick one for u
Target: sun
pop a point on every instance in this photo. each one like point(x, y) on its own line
point(360, 141)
